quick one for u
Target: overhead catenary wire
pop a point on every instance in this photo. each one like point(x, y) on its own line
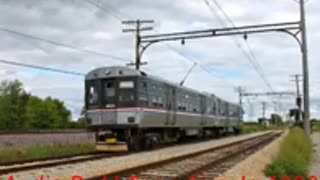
point(56, 43)
point(103, 8)
point(250, 56)
point(3, 61)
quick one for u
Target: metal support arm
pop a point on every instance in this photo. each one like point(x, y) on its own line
point(286, 27)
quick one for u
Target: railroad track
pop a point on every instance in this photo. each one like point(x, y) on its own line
point(27, 165)
point(205, 164)
point(13, 167)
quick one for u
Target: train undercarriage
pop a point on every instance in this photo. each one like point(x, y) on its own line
point(138, 139)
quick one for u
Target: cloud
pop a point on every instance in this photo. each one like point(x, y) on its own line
point(81, 24)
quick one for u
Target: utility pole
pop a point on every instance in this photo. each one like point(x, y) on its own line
point(138, 29)
point(298, 99)
point(276, 110)
point(304, 50)
point(264, 106)
point(240, 90)
point(256, 94)
point(297, 82)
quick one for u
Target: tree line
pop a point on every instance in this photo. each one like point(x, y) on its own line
point(20, 110)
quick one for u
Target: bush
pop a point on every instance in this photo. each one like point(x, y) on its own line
point(294, 156)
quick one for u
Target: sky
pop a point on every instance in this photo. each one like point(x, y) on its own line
point(221, 65)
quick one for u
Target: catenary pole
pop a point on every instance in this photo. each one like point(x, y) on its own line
point(305, 70)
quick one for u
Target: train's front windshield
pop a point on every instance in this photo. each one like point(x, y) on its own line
point(118, 93)
point(126, 96)
point(110, 93)
point(92, 94)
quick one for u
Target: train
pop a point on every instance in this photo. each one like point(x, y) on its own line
point(130, 110)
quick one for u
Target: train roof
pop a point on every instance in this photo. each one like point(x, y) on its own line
point(112, 71)
point(120, 71)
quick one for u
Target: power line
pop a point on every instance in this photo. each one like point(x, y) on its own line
point(41, 67)
point(62, 44)
point(258, 65)
point(99, 6)
point(250, 56)
point(248, 46)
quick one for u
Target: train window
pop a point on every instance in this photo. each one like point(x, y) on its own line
point(126, 97)
point(208, 110)
point(160, 103)
point(236, 112)
point(222, 109)
point(179, 105)
point(126, 84)
point(143, 100)
point(109, 89)
point(230, 111)
point(196, 103)
point(214, 108)
point(93, 95)
point(188, 106)
point(144, 84)
point(184, 105)
point(154, 101)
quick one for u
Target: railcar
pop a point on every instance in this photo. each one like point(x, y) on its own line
point(130, 110)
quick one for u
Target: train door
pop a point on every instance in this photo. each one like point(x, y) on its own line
point(109, 101)
point(171, 105)
point(203, 104)
point(227, 115)
point(109, 93)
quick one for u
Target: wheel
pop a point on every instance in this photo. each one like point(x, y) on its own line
point(151, 141)
point(181, 137)
point(135, 143)
point(237, 131)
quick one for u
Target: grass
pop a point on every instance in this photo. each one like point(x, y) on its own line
point(252, 127)
point(44, 151)
point(294, 156)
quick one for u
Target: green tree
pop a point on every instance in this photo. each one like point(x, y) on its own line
point(37, 114)
point(20, 110)
point(59, 115)
point(47, 113)
point(13, 101)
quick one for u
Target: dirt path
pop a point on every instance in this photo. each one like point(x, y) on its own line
point(315, 169)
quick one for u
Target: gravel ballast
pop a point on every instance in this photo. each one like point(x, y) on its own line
point(253, 167)
point(114, 164)
point(315, 168)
